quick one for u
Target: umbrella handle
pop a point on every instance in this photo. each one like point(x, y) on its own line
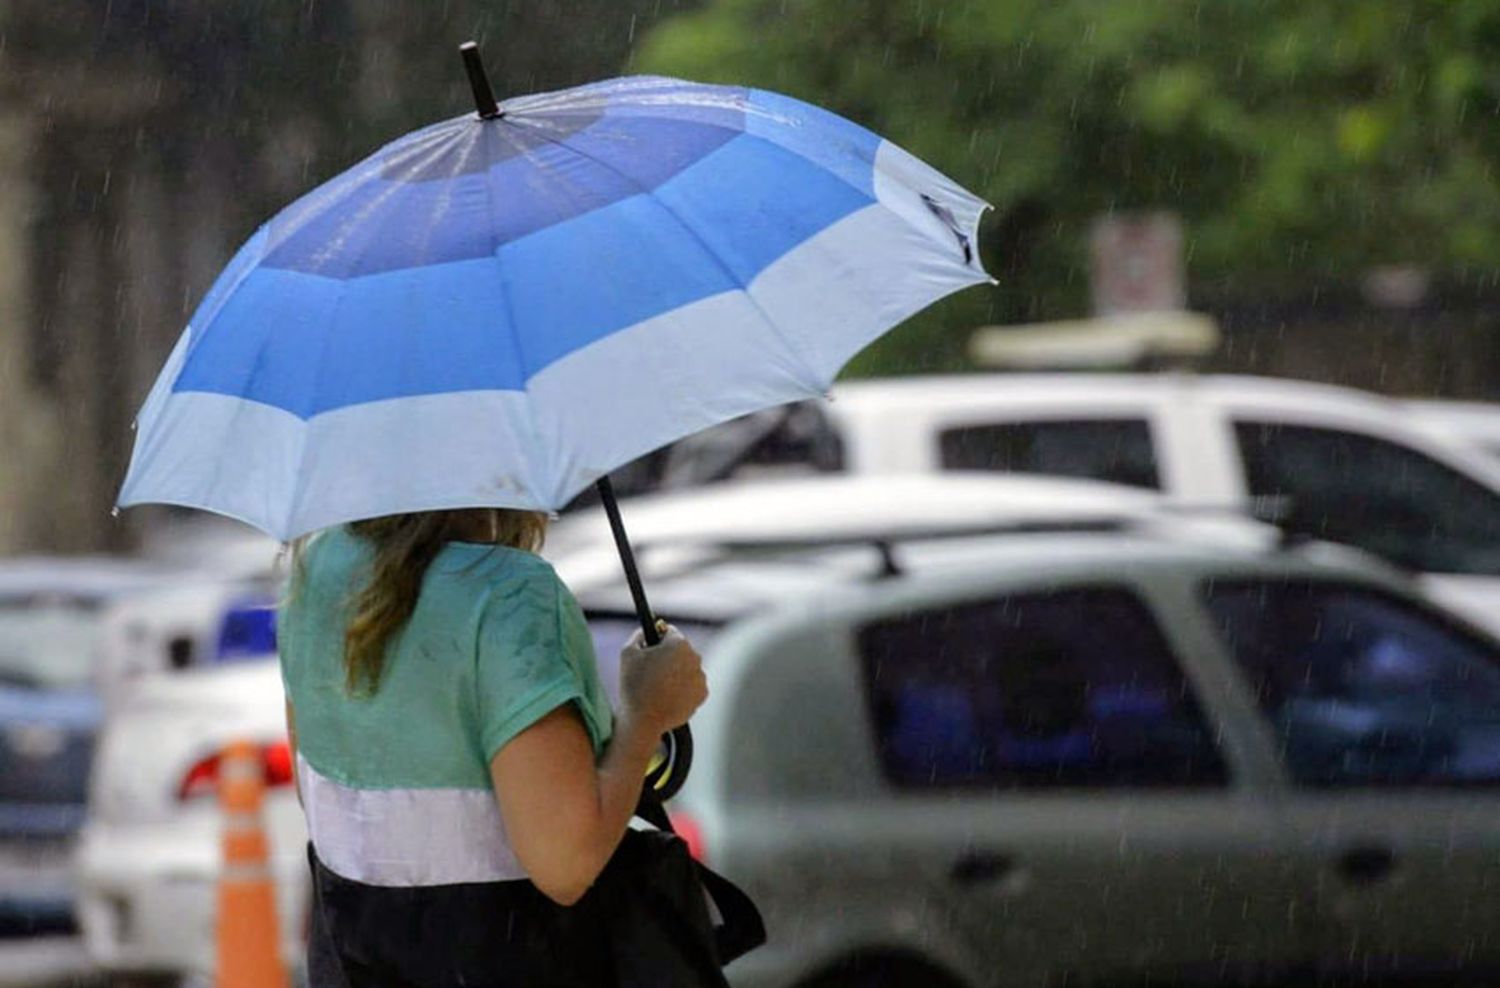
point(670, 768)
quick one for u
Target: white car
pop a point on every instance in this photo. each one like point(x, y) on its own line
point(52, 611)
point(1337, 463)
point(1087, 756)
point(148, 861)
point(219, 608)
point(200, 619)
point(687, 523)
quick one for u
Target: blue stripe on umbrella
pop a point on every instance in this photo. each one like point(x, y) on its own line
point(362, 351)
point(529, 175)
point(779, 200)
point(446, 327)
point(841, 146)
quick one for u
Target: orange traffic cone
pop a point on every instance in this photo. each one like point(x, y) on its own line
point(249, 953)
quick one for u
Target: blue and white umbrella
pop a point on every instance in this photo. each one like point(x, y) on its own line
point(498, 311)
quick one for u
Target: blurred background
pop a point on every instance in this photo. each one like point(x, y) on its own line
point(1329, 169)
point(1181, 191)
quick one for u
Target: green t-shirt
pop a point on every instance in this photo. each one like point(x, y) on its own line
point(496, 641)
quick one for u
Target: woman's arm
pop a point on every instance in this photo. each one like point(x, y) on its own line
point(564, 814)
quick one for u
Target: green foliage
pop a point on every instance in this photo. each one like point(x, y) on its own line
point(1299, 141)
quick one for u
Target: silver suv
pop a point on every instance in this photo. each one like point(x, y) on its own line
point(1019, 759)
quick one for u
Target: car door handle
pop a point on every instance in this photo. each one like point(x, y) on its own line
point(1367, 865)
point(978, 867)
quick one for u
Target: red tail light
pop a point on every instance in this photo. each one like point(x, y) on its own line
point(692, 835)
point(203, 778)
point(277, 760)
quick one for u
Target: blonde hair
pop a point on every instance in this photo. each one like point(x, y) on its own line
point(405, 545)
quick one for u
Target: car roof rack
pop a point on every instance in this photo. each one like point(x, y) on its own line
point(884, 542)
point(1274, 510)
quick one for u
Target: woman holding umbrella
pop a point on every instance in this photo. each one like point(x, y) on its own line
point(442, 680)
point(472, 326)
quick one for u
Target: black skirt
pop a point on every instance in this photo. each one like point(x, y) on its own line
point(480, 935)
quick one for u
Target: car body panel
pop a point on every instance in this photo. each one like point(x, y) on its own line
point(1475, 423)
point(148, 892)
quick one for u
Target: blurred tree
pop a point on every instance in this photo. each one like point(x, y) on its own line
point(1299, 141)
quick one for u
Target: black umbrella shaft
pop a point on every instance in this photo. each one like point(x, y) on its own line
point(663, 782)
point(627, 559)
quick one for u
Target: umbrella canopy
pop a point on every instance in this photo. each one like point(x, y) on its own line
point(498, 311)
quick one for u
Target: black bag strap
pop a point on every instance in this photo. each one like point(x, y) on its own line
point(742, 929)
point(650, 809)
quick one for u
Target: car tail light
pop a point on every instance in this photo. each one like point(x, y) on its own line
point(203, 778)
point(692, 835)
point(277, 759)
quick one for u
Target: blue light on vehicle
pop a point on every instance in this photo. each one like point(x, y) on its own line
point(248, 630)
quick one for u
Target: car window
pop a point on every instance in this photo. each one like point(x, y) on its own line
point(48, 641)
point(798, 438)
point(1117, 450)
point(1364, 688)
point(1072, 688)
point(1377, 495)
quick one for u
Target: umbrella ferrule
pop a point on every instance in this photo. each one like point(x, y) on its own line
point(484, 96)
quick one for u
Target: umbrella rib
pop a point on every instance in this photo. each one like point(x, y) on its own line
point(325, 341)
point(515, 342)
point(433, 143)
point(811, 378)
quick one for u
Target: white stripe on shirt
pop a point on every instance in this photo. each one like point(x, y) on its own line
point(406, 837)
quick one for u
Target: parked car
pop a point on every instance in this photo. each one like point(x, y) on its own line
point(1333, 463)
point(221, 608)
point(1057, 757)
point(203, 618)
point(148, 860)
point(52, 613)
point(686, 523)
point(971, 742)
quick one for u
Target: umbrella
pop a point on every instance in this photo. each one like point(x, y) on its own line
point(499, 309)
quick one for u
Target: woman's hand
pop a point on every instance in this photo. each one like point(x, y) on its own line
point(662, 684)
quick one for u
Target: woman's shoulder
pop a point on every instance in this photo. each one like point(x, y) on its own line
point(497, 571)
point(333, 543)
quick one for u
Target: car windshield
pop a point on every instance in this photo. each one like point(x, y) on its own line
point(47, 642)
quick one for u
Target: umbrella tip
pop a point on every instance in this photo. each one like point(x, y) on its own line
point(484, 96)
